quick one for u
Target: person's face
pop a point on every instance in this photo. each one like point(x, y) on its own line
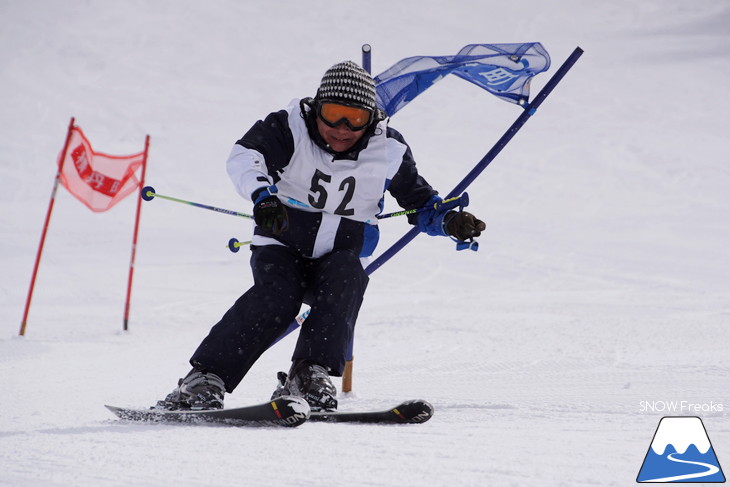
point(341, 125)
point(340, 138)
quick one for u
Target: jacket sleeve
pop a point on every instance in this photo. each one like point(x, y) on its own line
point(409, 188)
point(262, 153)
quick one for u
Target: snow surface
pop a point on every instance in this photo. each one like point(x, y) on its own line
point(602, 285)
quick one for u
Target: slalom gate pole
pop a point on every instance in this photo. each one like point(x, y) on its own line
point(366, 57)
point(347, 374)
point(148, 194)
point(134, 237)
point(45, 227)
point(470, 177)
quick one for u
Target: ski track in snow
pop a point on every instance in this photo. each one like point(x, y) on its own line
point(601, 281)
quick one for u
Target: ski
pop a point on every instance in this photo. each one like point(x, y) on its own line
point(282, 411)
point(414, 412)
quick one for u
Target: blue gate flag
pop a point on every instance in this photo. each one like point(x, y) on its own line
point(505, 70)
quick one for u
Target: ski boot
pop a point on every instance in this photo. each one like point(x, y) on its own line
point(309, 381)
point(198, 390)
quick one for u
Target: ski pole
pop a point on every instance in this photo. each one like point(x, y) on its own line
point(462, 201)
point(148, 194)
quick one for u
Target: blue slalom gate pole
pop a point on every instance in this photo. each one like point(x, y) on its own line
point(347, 373)
point(366, 56)
point(488, 158)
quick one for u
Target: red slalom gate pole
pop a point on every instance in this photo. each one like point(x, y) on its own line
point(134, 238)
point(24, 322)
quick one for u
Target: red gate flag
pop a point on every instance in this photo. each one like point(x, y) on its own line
point(97, 180)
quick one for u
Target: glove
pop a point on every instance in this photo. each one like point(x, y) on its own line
point(268, 212)
point(462, 225)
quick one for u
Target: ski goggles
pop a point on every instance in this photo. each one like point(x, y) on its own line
point(334, 114)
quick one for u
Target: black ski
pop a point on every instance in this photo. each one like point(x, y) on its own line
point(282, 411)
point(414, 412)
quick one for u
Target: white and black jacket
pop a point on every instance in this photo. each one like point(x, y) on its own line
point(332, 199)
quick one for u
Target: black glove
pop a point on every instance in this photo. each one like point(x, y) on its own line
point(463, 225)
point(269, 212)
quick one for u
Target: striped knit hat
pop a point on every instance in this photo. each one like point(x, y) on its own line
point(349, 83)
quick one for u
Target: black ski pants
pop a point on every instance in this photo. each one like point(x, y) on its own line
point(333, 285)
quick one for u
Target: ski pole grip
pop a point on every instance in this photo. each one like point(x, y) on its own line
point(450, 203)
point(464, 200)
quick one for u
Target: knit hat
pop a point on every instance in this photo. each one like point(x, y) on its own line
point(348, 83)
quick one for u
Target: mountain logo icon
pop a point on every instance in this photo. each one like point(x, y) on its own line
point(680, 452)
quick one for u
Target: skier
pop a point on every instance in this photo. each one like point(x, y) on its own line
point(316, 173)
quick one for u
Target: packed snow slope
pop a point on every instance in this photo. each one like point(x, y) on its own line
point(601, 290)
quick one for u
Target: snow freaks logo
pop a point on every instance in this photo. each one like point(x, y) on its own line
point(680, 452)
point(680, 407)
